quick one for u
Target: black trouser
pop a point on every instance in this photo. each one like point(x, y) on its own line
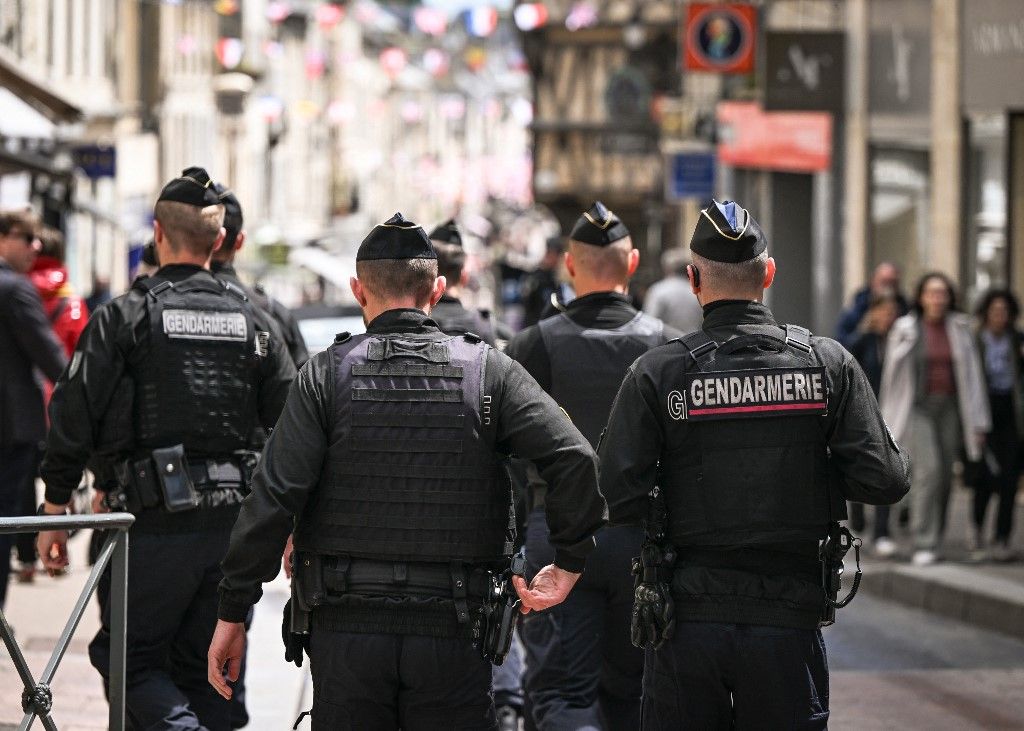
point(25, 543)
point(172, 612)
point(1003, 443)
point(372, 682)
point(881, 527)
point(736, 676)
point(581, 669)
point(17, 469)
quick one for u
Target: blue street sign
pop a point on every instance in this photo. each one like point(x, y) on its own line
point(691, 175)
point(96, 161)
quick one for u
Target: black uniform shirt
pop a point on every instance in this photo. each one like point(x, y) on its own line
point(530, 425)
point(604, 310)
point(84, 392)
point(281, 315)
point(872, 469)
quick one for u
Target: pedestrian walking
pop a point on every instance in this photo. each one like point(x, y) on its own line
point(884, 278)
point(581, 670)
point(223, 267)
point(449, 313)
point(388, 461)
point(1002, 348)
point(542, 290)
point(724, 443)
point(27, 342)
point(190, 367)
point(868, 347)
point(934, 399)
point(670, 299)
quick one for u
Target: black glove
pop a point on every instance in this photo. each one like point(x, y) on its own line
point(294, 644)
point(653, 619)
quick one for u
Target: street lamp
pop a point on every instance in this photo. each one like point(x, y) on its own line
point(230, 90)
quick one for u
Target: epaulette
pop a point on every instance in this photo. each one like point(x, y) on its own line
point(342, 338)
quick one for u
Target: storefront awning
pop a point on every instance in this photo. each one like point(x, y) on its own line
point(35, 93)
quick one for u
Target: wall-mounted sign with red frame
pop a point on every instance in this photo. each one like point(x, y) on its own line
point(720, 37)
point(799, 142)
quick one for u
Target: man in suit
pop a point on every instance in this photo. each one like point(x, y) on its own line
point(26, 342)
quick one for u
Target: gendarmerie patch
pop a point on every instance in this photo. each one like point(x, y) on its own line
point(751, 394)
point(204, 325)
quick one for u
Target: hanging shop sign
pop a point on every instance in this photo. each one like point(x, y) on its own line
point(993, 55)
point(805, 71)
point(786, 141)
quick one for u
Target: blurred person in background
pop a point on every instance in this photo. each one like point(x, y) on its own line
point(542, 288)
point(27, 342)
point(67, 314)
point(67, 310)
point(449, 313)
point(934, 399)
point(100, 294)
point(223, 267)
point(671, 299)
point(148, 264)
point(885, 278)
point(1001, 344)
point(868, 346)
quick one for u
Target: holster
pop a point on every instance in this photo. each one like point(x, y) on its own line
point(295, 624)
point(831, 552)
point(500, 611)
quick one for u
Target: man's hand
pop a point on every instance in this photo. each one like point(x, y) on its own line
point(286, 557)
point(549, 587)
point(226, 648)
point(52, 545)
point(99, 504)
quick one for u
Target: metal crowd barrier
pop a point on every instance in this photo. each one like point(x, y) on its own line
point(37, 697)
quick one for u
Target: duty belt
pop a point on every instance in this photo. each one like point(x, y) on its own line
point(345, 575)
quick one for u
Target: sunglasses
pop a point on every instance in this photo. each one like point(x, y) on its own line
point(27, 236)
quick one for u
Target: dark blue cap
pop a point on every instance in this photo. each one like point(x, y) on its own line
point(726, 232)
point(193, 188)
point(396, 238)
point(598, 227)
point(447, 233)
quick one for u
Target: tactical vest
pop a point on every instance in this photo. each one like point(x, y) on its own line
point(196, 384)
point(588, 364)
point(454, 319)
point(411, 473)
point(753, 465)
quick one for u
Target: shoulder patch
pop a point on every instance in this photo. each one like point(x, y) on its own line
point(342, 338)
point(762, 392)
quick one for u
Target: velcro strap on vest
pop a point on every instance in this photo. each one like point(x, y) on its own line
point(425, 421)
point(700, 345)
point(460, 592)
point(798, 337)
point(356, 444)
point(423, 472)
point(432, 351)
point(382, 368)
point(426, 395)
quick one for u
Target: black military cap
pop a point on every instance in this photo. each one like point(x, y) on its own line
point(447, 233)
point(396, 238)
point(598, 227)
point(726, 232)
point(232, 208)
point(193, 188)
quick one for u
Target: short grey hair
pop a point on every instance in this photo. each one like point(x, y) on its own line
point(745, 277)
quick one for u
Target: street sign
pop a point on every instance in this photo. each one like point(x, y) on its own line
point(720, 37)
point(690, 175)
point(96, 161)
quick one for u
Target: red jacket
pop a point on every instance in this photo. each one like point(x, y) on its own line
point(67, 311)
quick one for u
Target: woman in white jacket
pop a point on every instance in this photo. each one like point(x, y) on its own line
point(934, 399)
